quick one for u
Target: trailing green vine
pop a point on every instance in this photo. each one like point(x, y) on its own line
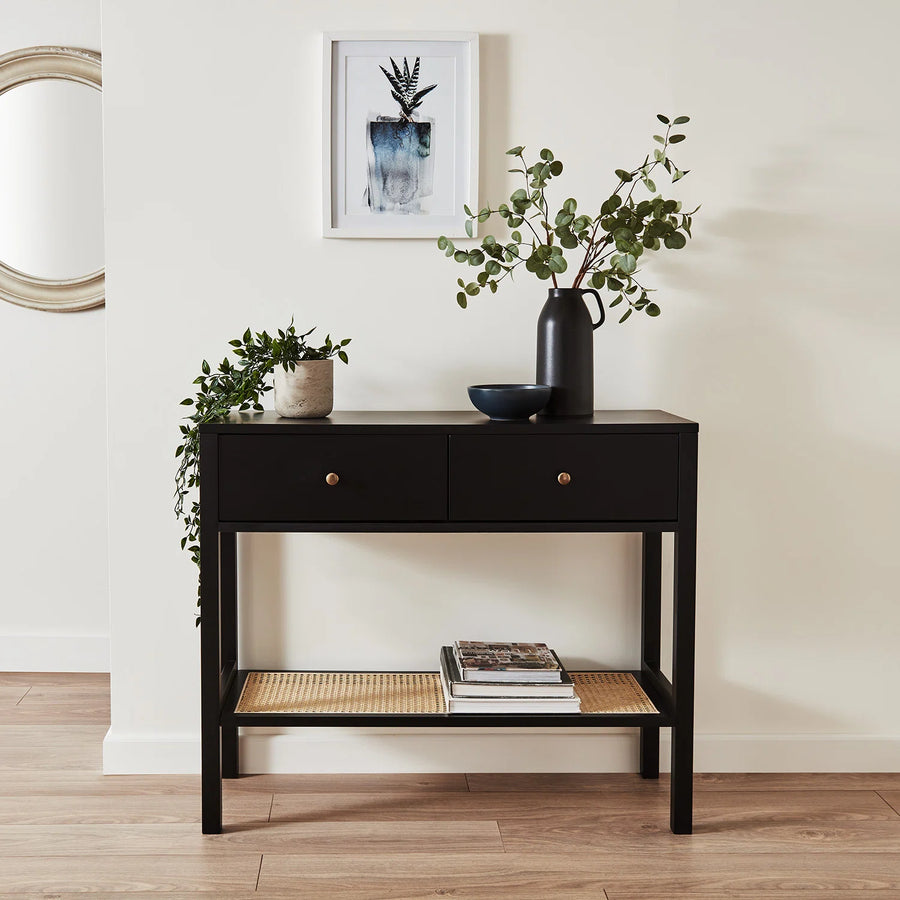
point(234, 386)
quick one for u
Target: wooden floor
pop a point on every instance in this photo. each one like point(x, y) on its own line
point(65, 829)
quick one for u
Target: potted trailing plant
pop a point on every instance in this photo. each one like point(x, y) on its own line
point(303, 386)
point(400, 164)
point(607, 247)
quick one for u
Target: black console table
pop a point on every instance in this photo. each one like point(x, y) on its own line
point(618, 471)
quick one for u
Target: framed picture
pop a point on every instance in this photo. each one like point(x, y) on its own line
point(400, 135)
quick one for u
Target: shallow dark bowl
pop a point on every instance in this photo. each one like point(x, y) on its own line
point(509, 402)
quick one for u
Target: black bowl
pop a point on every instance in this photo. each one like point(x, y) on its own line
point(509, 402)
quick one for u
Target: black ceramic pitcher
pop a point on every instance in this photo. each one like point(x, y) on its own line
point(565, 351)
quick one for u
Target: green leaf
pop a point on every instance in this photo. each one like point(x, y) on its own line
point(677, 138)
point(469, 228)
point(557, 264)
point(472, 289)
point(205, 367)
point(547, 155)
point(484, 215)
point(652, 310)
point(517, 237)
point(613, 283)
point(660, 138)
point(461, 300)
point(675, 241)
point(682, 120)
point(568, 240)
point(627, 263)
point(625, 315)
point(466, 209)
point(442, 243)
point(597, 280)
point(493, 268)
point(650, 184)
point(622, 175)
point(662, 118)
point(514, 151)
point(342, 356)
point(476, 257)
point(556, 168)
point(461, 256)
point(658, 155)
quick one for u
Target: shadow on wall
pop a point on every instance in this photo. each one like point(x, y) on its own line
point(786, 361)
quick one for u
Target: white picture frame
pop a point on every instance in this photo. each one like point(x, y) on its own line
point(386, 173)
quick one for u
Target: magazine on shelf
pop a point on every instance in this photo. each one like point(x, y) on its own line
point(495, 705)
point(505, 662)
point(563, 689)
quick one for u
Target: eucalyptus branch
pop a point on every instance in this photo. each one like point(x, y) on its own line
point(610, 242)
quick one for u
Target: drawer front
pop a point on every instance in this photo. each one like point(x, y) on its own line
point(282, 478)
point(515, 478)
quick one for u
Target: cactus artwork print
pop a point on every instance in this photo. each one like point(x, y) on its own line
point(399, 148)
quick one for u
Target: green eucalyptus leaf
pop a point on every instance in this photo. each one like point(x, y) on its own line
point(675, 241)
point(597, 280)
point(682, 120)
point(652, 310)
point(622, 175)
point(625, 315)
point(676, 138)
point(556, 168)
point(466, 209)
point(469, 227)
point(514, 151)
point(663, 119)
point(461, 299)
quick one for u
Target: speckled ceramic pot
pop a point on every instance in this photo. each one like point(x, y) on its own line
point(307, 392)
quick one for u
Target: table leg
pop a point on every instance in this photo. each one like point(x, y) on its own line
point(681, 801)
point(210, 641)
point(651, 583)
point(229, 626)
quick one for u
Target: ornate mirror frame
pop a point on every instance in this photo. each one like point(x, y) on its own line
point(56, 295)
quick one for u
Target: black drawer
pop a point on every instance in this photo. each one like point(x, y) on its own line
point(282, 478)
point(613, 478)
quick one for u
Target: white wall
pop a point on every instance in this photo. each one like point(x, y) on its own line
point(54, 600)
point(777, 330)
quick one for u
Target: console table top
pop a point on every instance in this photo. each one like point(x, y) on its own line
point(603, 420)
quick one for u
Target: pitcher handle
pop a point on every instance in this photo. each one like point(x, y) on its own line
point(596, 325)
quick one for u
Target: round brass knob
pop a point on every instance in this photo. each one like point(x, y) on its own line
point(332, 478)
point(564, 478)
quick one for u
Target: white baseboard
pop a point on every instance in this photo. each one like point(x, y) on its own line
point(54, 653)
point(329, 751)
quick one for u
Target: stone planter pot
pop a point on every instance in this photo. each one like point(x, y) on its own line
point(307, 392)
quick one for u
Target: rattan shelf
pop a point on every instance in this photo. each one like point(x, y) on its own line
point(328, 698)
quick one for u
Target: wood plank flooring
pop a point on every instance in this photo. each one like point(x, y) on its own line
point(67, 831)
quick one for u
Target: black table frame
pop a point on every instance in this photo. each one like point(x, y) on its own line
point(221, 681)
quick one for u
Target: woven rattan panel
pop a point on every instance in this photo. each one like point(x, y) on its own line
point(611, 692)
point(410, 692)
point(342, 692)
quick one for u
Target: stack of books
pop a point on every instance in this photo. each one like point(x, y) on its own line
point(498, 677)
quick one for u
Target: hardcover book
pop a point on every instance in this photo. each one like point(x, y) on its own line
point(495, 705)
point(502, 662)
point(563, 689)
